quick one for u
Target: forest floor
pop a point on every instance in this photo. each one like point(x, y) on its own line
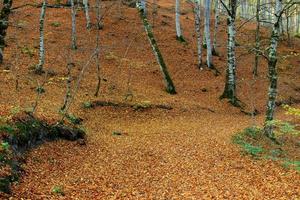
point(183, 153)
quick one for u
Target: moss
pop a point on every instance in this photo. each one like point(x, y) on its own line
point(23, 133)
point(180, 39)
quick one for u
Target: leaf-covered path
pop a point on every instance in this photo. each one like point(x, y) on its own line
point(160, 155)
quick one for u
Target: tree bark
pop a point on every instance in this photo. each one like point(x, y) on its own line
point(179, 36)
point(4, 17)
point(87, 15)
point(257, 38)
point(217, 21)
point(40, 66)
point(197, 11)
point(207, 34)
point(230, 84)
point(73, 13)
point(272, 61)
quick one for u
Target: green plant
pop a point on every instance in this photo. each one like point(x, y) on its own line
point(40, 90)
point(57, 189)
point(87, 104)
point(56, 24)
point(73, 119)
point(27, 50)
point(292, 164)
point(117, 133)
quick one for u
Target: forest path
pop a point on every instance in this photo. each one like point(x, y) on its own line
point(160, 155)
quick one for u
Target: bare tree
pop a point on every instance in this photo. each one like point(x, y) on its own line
point(197, 12)
point(73, 13)
point(40, 66)
point(230, 84)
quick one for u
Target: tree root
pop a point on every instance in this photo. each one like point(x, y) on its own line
point(136, 106)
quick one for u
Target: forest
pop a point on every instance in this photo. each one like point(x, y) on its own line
point(150, 99)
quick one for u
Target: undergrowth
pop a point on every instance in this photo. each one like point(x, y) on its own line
point(253, 142)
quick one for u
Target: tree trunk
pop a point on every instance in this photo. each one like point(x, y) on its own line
point(217, 21)
point(230, 84)
point(170, 88)
point(87, 16)
point(179, 36)
point(207, 34)
point(40, 66)
point(197, 12)
point(73, 13)
point(272, 61)
point(257, 38)
point(98, 47)
point(4, 16)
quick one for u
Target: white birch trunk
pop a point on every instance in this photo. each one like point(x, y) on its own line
point(230, 84)
point(177, 20)
point(217, 21)
point(197, 12)
point(207, 34)
point(39, 68)
point(87, 15)
point(272, 94)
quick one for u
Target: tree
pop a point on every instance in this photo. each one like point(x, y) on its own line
point(257, 38)
point(170, 88)
point(272, 61)
point(73, 13)
point(179, 36)
point(197, 13)
point(4, 16)
point(98, 46)
point(230, 83)
point(40, 66)
point(207, 34)
point(217, 21)
point(87, 16)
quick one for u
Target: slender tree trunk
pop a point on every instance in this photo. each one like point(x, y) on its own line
point(179, 36)
point(4, 16)
point(298, 20)
point(40, 66)
point(230, 84)
point(207, 34)
point(144, 6)
point(272, 61)
point(257, 38)
point(217, 21)
point(170, 88)
point(73, 13)
point(98, 47)
point(87, 15)
point(197, 12)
